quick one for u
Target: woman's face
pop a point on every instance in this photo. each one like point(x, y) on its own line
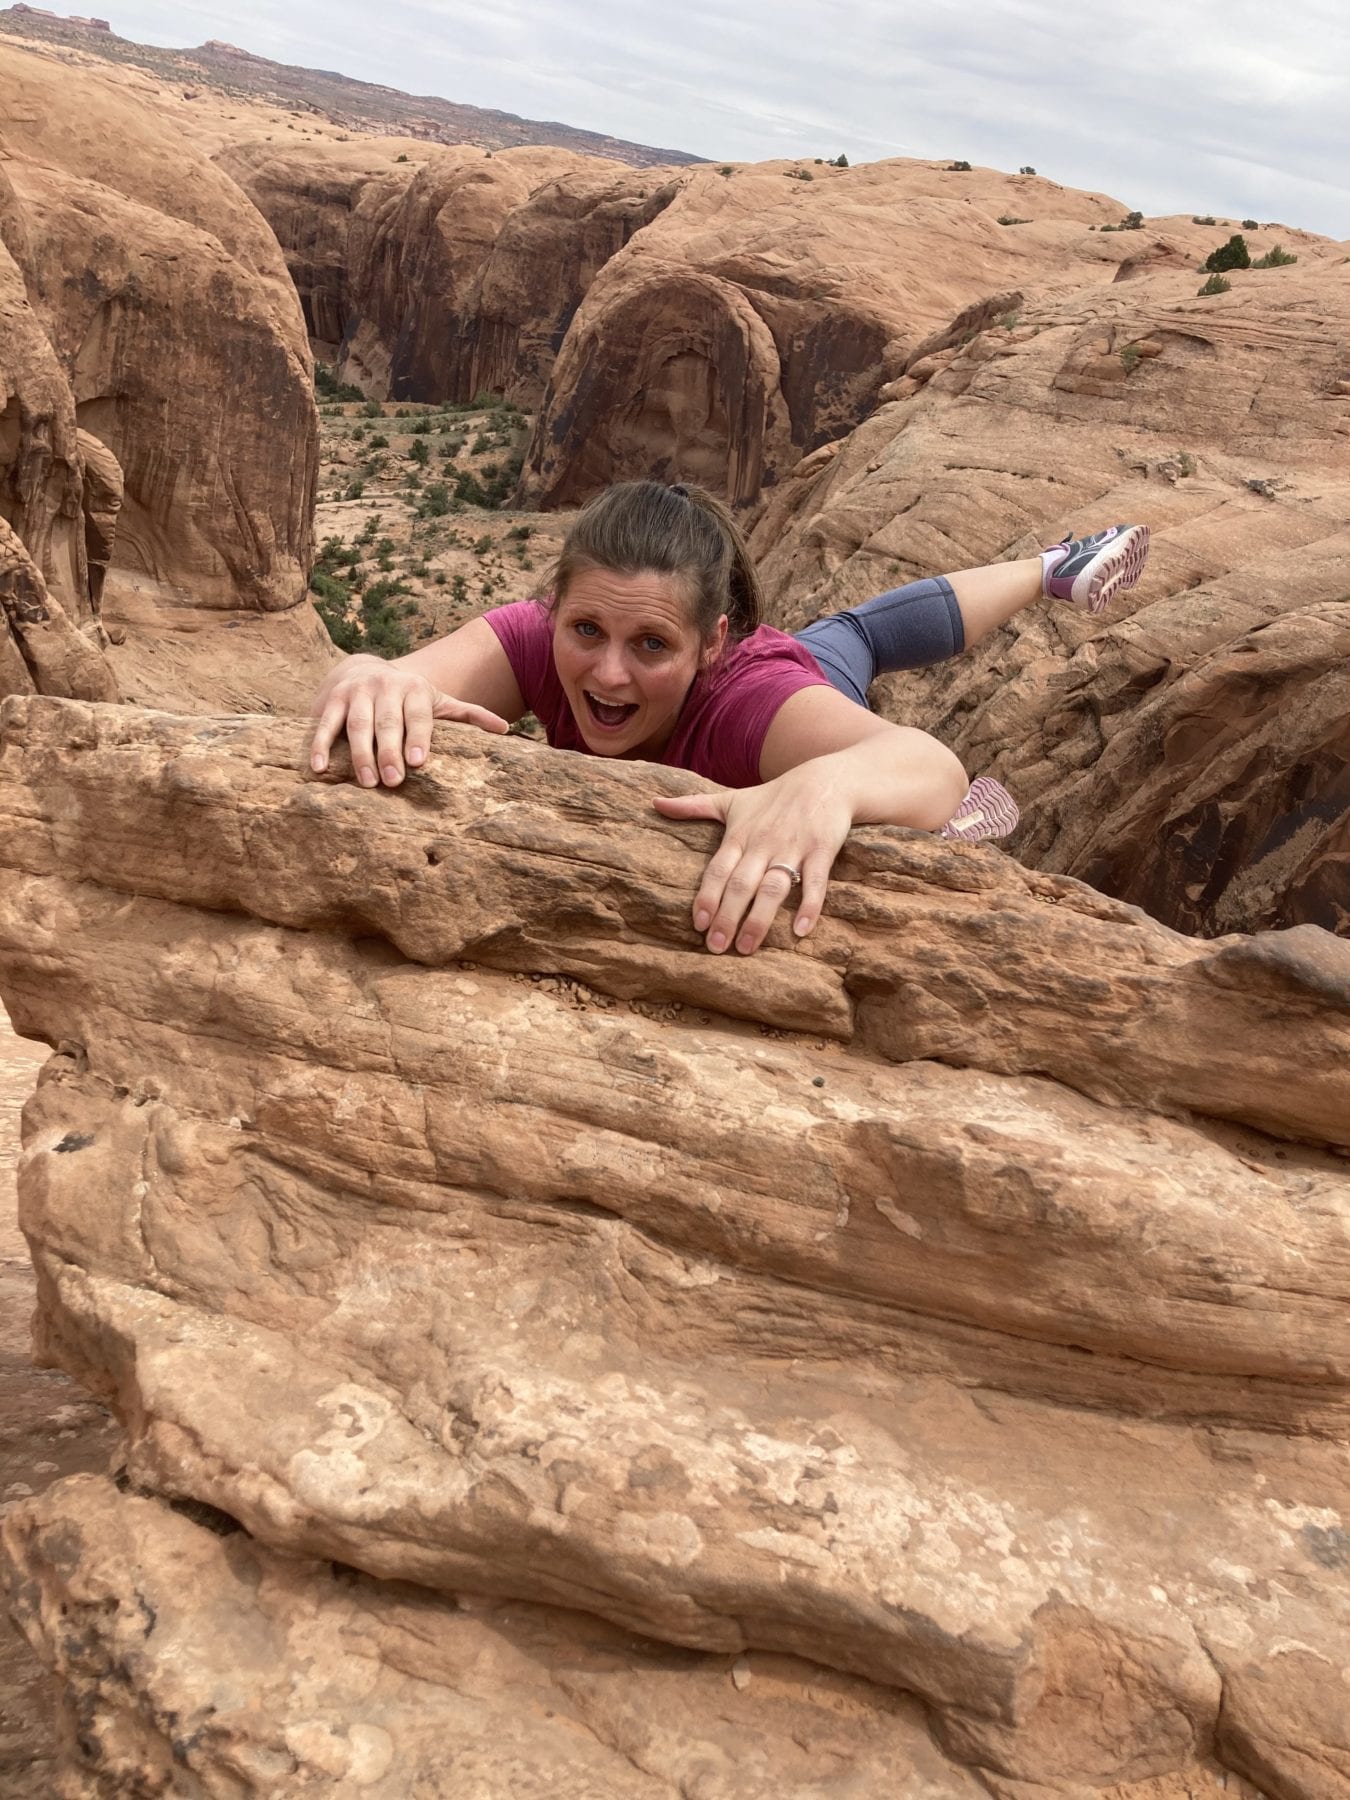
point(627, 652)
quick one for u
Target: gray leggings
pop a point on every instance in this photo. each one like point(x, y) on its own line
point(903, 629)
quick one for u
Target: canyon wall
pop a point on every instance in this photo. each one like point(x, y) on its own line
point(158, 441)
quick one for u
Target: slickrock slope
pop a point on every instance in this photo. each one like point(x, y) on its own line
point(760, 314)
point(956, 1300)
point(154, 313)
point(1191, 751)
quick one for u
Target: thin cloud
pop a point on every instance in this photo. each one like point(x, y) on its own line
point(1222, 106)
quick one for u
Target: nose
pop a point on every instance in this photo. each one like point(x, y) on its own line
point(611, 667)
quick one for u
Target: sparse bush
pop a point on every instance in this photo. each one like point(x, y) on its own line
point(468, 488)
point(354, 490)
point(419, 451)
point(523, 532)
point(483, 545)
point(402, 156)
point(1207, 219)
point(378, 441)
point(959, 168)
point(421, 423)
point(1276, 258)
point(1217, 284)
point(459, 588)
point(327, 384)
point(1130, 357)
point(725, 170)
point(1250, 225)
point(841, 161)
point(1008, 219)
point(1186, 463)
point(480, 444)
point(435, 501)
point(1232, 255)
point(1026, 169)
point(373, 410)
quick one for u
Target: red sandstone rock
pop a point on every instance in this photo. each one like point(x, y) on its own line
point(1189, 751)
point(180, 348)
point(985, 1339)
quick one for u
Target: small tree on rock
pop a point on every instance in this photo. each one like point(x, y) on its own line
point(1232, 255)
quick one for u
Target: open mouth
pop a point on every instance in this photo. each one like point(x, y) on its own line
point(609, 716)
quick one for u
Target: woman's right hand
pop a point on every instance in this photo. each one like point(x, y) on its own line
point(387, 713)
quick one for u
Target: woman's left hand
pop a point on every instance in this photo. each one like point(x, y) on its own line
point(800, 819)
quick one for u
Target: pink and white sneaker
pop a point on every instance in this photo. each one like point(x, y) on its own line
point(988, 811)
point(1091, 571)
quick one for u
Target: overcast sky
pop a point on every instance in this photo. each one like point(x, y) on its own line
point(1239, 108)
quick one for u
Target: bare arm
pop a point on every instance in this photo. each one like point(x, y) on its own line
point(826, 766)
point(387, 708)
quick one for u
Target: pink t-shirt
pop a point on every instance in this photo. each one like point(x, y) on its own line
point(724, 719)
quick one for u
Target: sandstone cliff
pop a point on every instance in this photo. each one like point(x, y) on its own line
point(1189, 752)
point(937, 1326)
point(452, 276)
point(152, 312)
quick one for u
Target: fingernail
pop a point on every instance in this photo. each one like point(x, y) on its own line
point(800, 927)
point(392, 775)
point(415, 756)
point(717, 941)
point(702, 920)
point(318, 764)
point(367, 777)
point(745, 945)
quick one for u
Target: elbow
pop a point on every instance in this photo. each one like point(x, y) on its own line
point(941, 787)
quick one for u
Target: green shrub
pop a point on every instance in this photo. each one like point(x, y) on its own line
point(378, 441)
point(841, 161)
point(958, 168)
point(1276, 258)
point(725, 170)
point(435, 501)
point(1008, 219)
point(419, 451)
point(1217, 284)
point(1130, 357)
point(1232, 255)
point(523, 532)
point(1207, 219)
point(327, 384)
point(354, 490)
point(1026, 169)
point(402, 156)
point(1250, 225)
point(373, 410)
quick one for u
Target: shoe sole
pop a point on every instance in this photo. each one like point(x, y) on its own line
point(988, 811)
point(1118, 565)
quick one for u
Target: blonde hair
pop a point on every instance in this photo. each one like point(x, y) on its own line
point(636, 527)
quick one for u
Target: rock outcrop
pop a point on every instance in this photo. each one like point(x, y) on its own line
point(158, 446)
point(759, 315)
point(954, 1300)
point(1190, 752)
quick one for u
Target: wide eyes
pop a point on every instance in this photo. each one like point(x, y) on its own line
point(590, 631)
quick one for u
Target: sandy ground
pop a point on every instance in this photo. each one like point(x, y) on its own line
point(47, 1429)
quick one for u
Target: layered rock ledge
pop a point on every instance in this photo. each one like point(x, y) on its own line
point(938, 1325)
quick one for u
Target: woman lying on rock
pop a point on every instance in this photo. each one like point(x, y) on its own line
point(651, 648)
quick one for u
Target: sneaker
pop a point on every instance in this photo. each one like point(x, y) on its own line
point(988, 811)
point(1091, 571)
